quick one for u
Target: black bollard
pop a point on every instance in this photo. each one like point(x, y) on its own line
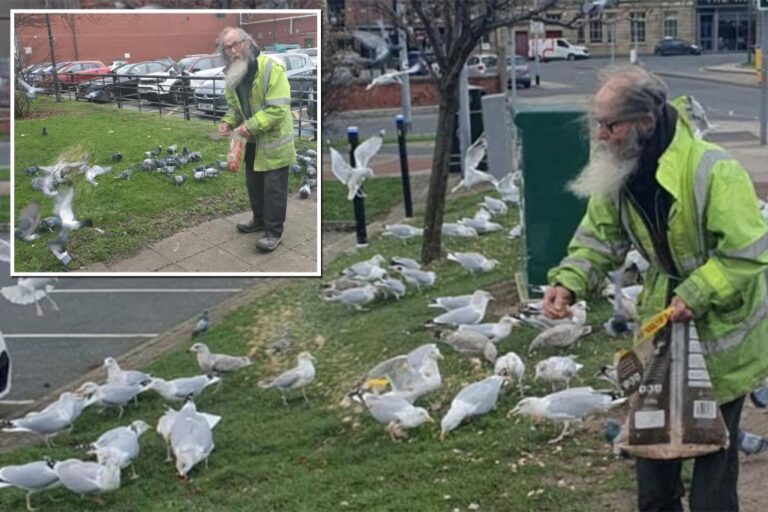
point(400, 123)
point(358, 202)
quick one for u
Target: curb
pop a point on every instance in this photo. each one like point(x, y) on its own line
point(705, 78)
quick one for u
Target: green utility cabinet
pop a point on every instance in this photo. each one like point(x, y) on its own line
point(555, 147)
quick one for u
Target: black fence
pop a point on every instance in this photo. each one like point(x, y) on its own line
point(200, 98)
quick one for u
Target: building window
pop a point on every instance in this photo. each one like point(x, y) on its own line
point(552, 16)
point(580, 34)
point(670, 24)
point(596, 30)
point(637, 27)
point(610, 26)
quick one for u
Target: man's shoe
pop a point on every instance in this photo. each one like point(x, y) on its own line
point(249, 227)
point(268, 242)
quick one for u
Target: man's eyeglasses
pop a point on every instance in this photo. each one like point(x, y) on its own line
point(610, 125)
point(232, 46)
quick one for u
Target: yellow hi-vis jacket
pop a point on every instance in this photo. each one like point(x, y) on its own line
point(719, 243)
point(271, 123)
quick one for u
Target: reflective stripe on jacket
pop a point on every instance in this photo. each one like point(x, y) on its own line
point(271, 123)
point(719, 243)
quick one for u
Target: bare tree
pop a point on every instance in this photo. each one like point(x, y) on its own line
point(454, 28)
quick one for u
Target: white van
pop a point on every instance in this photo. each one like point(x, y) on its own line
point(556, 48)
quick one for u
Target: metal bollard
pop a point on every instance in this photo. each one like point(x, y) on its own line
point(358, 202)
point(400, 123)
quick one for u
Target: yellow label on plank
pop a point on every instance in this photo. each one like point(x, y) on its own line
point(656, 322)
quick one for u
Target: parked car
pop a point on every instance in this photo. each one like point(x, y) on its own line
point(116, 64)
point(522, 72)
point(174, 85)
point(556, 48)
point(675, 46)
point(209, 95)
point(80, 71)
point(122, 82)
point(309, 52)
point(44, 75)
point(478, 65)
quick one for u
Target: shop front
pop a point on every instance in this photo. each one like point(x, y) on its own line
point(725, 25)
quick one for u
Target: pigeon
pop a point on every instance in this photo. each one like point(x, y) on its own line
point(409, 376)
point(355, 297)
point(473, 313)
point(180, 389)
point(749, 443)
point(29, 290)
point(510, 193)
point(27, 222)
point(494, 206)
point(63, 208)
point(305, 189)
point(45, 184)
point(178, 179)
point(44, 132)
point(52, 223)
point(494, 331)
point(567, 406)
point(280, 345)
point(171, 149)
point(559, 336)
point(311, 153)
point(32, 477)
point(612, 433)
point(405, 262)
point(116, 157)
point(401, 231)
point(460, 230)
point(195, 156)
point(32, 170)
point(191, 438)
point(202, 324)
point(89, 477)
point(56, 417)
point(393, 287)
point(311, 171)
point(295, 168)
point(397, 413)
point(470, 342)
point(759, 396)
point(111, 394)
point(198, 175)
point(298, 377)
point(31, 92)
point(393, 77)
point(353, 177)
point(117, 375)
point(217, 363)
point(609, 374)
point(475, 154)
point(475, 262)
point(124, 175)
point(557, 368)
point(475, 399)
point(58, 247)
point(93, 172)
point(120, 444)
point(416, 277)
point(510, 365)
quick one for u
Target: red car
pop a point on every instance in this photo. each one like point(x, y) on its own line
point(80, 71)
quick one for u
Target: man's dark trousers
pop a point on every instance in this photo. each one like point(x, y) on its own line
point(715, 476)
point(268, 194)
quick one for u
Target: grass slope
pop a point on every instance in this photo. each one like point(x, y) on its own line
point(331, 456)
point(135, 212)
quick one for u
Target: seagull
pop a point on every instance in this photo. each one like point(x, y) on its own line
point(409, 376)
point(451, 302)
point(510, 365)
point(494, 206)
point(401, 231)
point(27, 222)
point(56, 417)
point(470, 342)
point(29, 290)
point(494, 331)
point(89, 477)
point(180, 389)
point(390, 286)
point(165, 424)
point(475, 262)
point(117, 375)
point(120, 444)
point(537, 320)
point(397, 413)
point(94, 172)
point(516, 231)
point(567, 406)
point(111, 394)
point(457, 229)
point(510, 193)
point(475, 399)
point(379, 43)
point(559, 336)
point(405, 262)
point(32, 477)
point(298, 377)
point(557, 368)
point(64, 210)
point(353, 177)
point(191, 439)
point(202, 324)
point(355, 297)
point(473, 313)
point(368, 270)
point(473, 157)
point(480, 223)
point(393, 77)
point(416, 277)
point(31, 91)
point(218, 363)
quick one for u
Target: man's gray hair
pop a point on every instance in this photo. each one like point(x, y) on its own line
point(638, 90)
point(242, 35)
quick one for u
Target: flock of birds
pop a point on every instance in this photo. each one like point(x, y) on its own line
point(187, 432)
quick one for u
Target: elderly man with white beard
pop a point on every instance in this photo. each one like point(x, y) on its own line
point(691, 209)
point(259, 100)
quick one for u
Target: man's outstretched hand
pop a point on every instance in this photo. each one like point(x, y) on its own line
point(556, 301)
point(680, 310)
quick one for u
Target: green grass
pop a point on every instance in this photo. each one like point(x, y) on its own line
point(382, 194)
point(328, 456)
point(416, 137)
point(5, 203)
point(133, 213)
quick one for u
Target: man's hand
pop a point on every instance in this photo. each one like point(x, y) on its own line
point(224, 128)
point(243, 132)
point(681, 311)
point(556, 301)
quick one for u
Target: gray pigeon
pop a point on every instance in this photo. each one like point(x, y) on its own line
point(116, 157)
point(124, 175)
point(178, 179)
point(58, 247)
point(27, 222)
point(45, 131)
point(202, 324)
point(305, 189)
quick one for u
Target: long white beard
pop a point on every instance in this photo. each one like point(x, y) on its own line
point(607, 171)
point(236, 71)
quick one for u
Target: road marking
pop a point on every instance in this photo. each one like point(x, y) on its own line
point(80, 335)
point(146, 290)
point(16, 402)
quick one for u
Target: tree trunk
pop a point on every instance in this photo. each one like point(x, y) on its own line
point(438, 179)
point(72, 22)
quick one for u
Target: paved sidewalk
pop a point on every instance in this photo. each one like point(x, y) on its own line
point(217, 246)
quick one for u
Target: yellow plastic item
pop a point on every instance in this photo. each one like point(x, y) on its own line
point(656, 322)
